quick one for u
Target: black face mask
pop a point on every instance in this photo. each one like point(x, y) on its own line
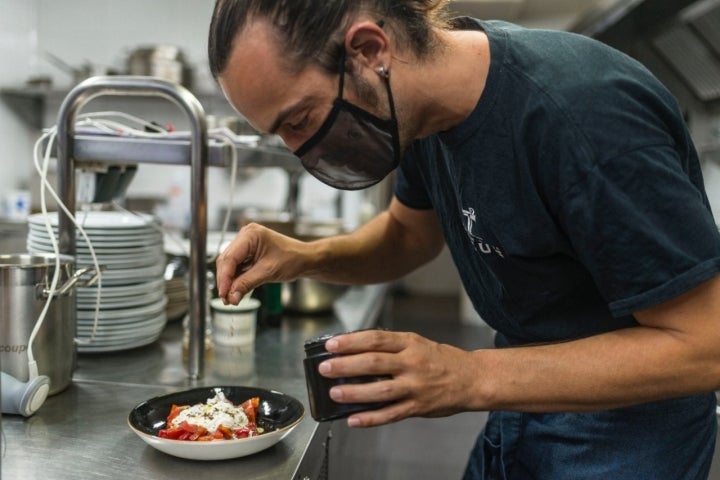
point(353, 149)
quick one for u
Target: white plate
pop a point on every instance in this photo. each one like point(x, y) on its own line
point(123, 334)
point(127, 315)
point(108, 335)
point(110, 262)
point(277, 410)
point(116, 291)
point(99, 235)
point(133, 275)
point(114, 337)
point(150, 297)
point(99, 220)
point(117, 347)
point(137, 327)
point(101, 246)
point(114, 278)
point(148, 254)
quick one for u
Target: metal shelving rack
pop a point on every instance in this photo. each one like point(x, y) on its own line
point(76, 148)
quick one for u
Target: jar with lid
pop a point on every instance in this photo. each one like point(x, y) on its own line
point(322, 407)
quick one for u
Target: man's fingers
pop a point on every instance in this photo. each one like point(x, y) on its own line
point(367, 340)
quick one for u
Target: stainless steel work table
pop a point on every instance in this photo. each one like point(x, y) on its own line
point(82, 433)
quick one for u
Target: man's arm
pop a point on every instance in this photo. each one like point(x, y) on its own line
point(674, 352)
point(392, 244)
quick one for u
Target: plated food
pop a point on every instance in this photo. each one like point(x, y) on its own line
point(253, 419)
point(216, 419)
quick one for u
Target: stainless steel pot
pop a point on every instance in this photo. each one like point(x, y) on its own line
point(161, 61)
point(24, 283)
point(305, 295)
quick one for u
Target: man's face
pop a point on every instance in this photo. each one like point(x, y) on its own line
point(273, 100)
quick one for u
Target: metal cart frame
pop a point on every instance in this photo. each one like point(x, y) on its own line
point(197, 159)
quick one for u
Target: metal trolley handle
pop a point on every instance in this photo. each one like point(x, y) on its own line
point(198, 161)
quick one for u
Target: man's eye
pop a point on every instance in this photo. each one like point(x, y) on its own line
point(298, 126)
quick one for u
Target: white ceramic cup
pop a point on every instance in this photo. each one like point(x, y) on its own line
point(234, 325)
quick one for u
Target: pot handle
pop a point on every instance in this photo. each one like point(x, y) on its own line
point(75, 281)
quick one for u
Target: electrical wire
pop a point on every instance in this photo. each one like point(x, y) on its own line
point(144, 123)
point(222, 137)
point(231, 198)
point(45, 186)
point(32, 363)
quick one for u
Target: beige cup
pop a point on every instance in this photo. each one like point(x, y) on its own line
point(234, 325)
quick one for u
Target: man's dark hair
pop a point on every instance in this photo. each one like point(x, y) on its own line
point(311, 31)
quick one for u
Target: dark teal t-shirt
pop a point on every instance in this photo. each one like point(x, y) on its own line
point(572, 195)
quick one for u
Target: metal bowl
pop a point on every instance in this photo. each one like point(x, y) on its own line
point(305, 295)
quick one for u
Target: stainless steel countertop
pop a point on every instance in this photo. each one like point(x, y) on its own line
point(82, 433)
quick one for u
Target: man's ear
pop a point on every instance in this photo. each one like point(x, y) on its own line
point(368, 46)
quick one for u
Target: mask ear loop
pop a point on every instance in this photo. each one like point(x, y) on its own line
point(385, 74)
point(341, 67)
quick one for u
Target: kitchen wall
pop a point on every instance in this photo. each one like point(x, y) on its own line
point(18, 42)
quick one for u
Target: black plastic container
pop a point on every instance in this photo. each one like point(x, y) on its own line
point(322, 407)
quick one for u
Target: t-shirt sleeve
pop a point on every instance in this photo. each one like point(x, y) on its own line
point(410, 187)
point(641, 227)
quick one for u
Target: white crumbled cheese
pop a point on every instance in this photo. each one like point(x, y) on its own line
point(215, 412)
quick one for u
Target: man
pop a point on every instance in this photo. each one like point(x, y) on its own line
point(561, 176)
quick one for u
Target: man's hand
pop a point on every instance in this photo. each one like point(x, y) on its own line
point(427, 377)
point(257, 255)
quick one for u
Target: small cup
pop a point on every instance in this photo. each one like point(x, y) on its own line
point(234, 325)
point(322, 407)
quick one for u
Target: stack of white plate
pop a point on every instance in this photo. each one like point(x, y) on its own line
point(132, 301)
point(176, 273)
point(178, 297)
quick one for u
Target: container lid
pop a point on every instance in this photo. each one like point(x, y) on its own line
point(319, 341)
point(247, 304)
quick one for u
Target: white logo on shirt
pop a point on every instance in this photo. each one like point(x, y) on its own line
point(478, 243)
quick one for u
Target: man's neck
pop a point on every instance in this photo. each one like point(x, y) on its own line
point(443, 91)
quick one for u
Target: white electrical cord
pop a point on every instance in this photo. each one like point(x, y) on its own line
point(144, 123)
point(45, 186)
point(231, 198)
point(222, 136)
point(32, 364)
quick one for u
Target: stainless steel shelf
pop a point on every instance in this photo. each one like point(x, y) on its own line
point(196, 149)
point(91, 148)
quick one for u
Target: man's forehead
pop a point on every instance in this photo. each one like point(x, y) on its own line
point(261, 87)
point(254, 79)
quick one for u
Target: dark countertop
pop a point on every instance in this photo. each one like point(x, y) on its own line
point(82, 433)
